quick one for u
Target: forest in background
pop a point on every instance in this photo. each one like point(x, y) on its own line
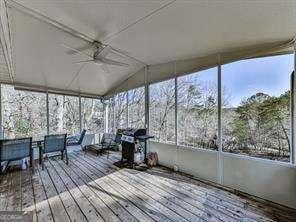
point(259, 126)
point(24, 114)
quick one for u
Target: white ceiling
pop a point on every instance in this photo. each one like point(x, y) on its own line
point(148, 30)
point(40, 59)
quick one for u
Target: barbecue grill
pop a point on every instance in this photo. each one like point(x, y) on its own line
point(133, 142)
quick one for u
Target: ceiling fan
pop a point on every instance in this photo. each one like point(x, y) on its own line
point(99, 55)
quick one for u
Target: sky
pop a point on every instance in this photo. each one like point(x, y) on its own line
point(242, 79)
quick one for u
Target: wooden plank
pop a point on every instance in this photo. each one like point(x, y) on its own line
point(114, 206)
point(90, 185)
point(5, 183)
point(71, 207)
point(28, 202)
point(125, 193)
point(192, 213)
point(99, 205)
point(156, 209)
point(42, 206)
point(102, 184)
point(175, 205)
point(199, 211)
point(196, 201)
point(84, 204)
point(193, 198)
point(228, 198)
point(166, 207)
point(14, 193)
point(219, 193)
point(196, 206)
point(254, 209)
point(184, 190)
point(58, 210)
point(139, 201)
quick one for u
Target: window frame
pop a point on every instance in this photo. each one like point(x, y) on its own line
point(220, 152)
point(175, 110)
point(292, 160)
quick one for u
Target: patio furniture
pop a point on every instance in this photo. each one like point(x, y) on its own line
point(76, 140)
point(109, 140)
point(15, 149)
point(52, 144)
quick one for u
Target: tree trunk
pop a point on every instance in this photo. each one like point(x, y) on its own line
point(60, 114)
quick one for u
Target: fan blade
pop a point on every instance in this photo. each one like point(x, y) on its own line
point(112, 62)
point(75, 50)
point(85, 61)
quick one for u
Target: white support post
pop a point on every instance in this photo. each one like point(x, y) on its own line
point(219, 154)
point(106, 116)
point(80, 116)
point(293, 108)
point(112, 108)
point(47, 113)
point(146, 107)
point(1, 115)
point(127, 111)
point(146, 102)
point(176, 107)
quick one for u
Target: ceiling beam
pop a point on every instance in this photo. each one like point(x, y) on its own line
point(44, 89)
point(150, 14)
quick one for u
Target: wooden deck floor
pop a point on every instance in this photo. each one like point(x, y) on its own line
point(91, 188)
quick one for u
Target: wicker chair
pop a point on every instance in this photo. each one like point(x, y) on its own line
point(54, 143)
point(15, 149)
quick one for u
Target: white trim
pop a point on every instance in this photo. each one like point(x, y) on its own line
point(113, 116)
point(183, 147)
point(147, 101)
point(257, 159)
point(293, 116)
point(127, 109)
point(47, 114)
point(176, 109)
point(44, 89)
point(225, 154)
point(292, 122)
point(219, 159)
point(80, 116)
point(1, 115)
point(106, 116)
